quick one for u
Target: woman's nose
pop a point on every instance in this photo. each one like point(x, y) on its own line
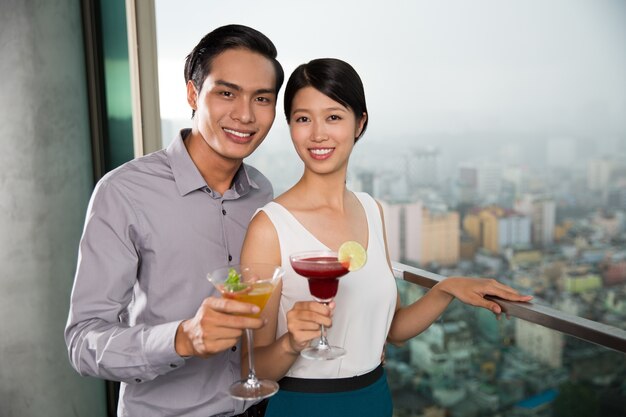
point(319, 132)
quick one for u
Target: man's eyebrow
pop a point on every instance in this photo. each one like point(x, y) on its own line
point(236, 87)
point(265, 91)
point(229, 85)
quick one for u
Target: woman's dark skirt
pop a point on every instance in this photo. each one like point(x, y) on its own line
point(364, 396)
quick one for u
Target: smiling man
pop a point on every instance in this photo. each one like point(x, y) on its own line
point(142, 311)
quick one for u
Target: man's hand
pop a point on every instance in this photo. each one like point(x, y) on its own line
point(217, 325)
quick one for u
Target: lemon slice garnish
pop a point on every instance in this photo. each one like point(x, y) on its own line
point(352, 254)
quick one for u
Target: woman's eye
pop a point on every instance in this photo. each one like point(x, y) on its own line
point(302, 119)
point(334, 117)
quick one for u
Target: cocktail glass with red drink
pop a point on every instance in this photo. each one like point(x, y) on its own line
point(322, 269)
point(251, 283)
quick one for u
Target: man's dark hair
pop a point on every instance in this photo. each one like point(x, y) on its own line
point(198, 62)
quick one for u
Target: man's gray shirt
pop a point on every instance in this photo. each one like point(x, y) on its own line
point(152, 233)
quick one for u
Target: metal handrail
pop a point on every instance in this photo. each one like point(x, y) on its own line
point(588, 330)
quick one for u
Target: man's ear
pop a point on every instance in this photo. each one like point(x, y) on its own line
point(192, 95)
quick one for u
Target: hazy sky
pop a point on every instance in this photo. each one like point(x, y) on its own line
point(554, 67)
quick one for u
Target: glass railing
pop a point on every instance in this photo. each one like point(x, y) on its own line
point(539, 362)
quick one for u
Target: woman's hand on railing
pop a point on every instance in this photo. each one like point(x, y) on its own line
point(472, 291)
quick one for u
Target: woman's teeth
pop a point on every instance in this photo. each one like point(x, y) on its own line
point(321, 151)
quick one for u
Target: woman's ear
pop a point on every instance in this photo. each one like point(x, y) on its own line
point(360, 124)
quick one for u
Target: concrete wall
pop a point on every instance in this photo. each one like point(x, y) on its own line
point(45, 182)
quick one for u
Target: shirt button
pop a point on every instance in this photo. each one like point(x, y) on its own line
point(224, 212)
point(230, 258)
point(173, 365)
point(234, 348)
point(137, 380)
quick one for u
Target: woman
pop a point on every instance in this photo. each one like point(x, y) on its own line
point(327, 114)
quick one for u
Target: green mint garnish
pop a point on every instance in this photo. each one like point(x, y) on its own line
point(233, 281)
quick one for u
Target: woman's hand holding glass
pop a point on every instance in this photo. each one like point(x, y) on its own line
point(304, 321)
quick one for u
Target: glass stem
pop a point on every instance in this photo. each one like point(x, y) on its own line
point(323, 343)
point(252, 379)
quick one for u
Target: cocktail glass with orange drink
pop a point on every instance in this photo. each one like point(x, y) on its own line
point(254, 284)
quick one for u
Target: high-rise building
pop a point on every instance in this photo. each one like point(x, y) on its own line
point(543, 344)
point(403, 227)
point(496, 229)
point(413, 231)
point(420, 235)
point(489, 181)
point(366, 181)
point(440, 240)
point(468, 184)
point(599, 174)
point(394, 224)
point(542, 213)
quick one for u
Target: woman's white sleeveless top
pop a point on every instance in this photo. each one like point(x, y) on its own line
point(365, 301)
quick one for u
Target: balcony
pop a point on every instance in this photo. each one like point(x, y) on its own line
point(541, 362)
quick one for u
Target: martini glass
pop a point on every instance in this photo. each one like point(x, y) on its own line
point(322, 269)
point(255, 285)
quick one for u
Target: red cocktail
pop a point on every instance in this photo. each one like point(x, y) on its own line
point(323, 273)
point(322, 269)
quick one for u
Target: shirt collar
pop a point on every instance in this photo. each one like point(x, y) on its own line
point(188, 177)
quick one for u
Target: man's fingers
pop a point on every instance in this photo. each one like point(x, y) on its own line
point(225, 305)
point(220, 312)
point(238, 323)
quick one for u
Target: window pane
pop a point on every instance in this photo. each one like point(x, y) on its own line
point(496, 143)
point(119, 126)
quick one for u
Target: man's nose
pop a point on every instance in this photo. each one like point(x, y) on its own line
point(243, 111)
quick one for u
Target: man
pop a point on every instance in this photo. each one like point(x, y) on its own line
point(142, 311)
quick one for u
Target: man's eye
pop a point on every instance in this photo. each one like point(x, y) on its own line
point(226, 93)
point(264, 100)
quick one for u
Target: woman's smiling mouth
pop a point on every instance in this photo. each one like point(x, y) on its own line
point(321, 153)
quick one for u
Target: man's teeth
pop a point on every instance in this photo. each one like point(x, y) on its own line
point(321, 151)
point(240, 134)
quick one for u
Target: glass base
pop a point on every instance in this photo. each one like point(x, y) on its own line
point(323, 353)
point(257, 390)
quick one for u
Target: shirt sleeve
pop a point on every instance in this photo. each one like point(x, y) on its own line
point(99, 342)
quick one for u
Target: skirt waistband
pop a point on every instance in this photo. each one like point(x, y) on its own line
point(331, 385)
